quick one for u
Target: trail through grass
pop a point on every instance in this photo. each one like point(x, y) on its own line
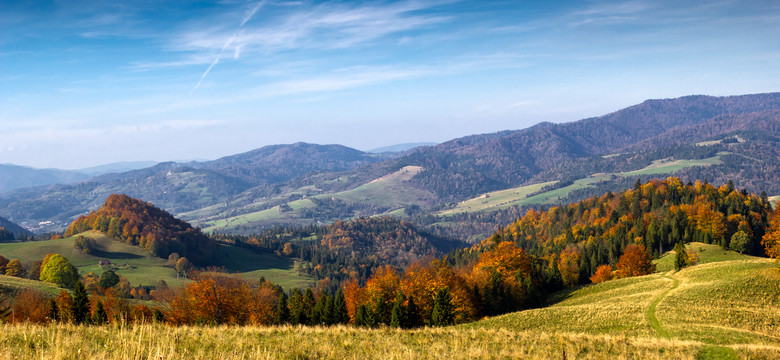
point(652, 318)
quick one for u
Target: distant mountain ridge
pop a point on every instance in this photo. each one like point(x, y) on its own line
point(290, 176)
point(13, 177)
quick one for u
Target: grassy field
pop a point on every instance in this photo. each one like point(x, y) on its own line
point(141, 268)
point(496, 200)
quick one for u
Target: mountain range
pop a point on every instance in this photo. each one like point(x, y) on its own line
point(450, 184)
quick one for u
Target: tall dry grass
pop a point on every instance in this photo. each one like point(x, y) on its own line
point(155, 341)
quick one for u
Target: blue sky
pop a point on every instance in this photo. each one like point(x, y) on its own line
point(90, 82)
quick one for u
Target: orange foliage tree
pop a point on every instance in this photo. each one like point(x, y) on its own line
point(30, 306)
point(569, 265)
point(635, 261)
point(603, 273)
point(771, 239)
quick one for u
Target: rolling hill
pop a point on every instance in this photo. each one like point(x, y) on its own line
point(727, 306)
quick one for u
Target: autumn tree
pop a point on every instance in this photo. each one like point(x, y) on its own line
point(31, 306)
point(603, 273)
point(184, 266)
point(58, 270)
point(3, 263)
point(64, 306)
point(213, 299)
point(635, 261)
point(771, 239)
point(15, 268)
point(569, 266)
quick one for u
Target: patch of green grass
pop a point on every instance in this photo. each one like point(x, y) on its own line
point(706, 253)
point(495, 200)
point(671, 166)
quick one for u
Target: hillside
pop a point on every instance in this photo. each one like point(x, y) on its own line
point(724, 306)
point(14, 229)
point(142, 224)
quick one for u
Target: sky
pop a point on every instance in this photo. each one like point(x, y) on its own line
point(84, 83)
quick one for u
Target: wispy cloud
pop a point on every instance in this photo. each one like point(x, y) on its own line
point(248, 16)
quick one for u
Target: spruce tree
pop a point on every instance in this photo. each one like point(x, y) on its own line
point(412, 314)
point(99, 317)
point(80, 304)
point(54, 313)
point(361, 315)
point(329, 310)
point(340, 314)
point(681, 258)
point(281, 313)
point(398, 314)
point(442, 314)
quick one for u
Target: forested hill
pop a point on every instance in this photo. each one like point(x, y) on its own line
point(657, 215)
point(142, 224)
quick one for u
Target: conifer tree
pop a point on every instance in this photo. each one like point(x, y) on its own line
point(340, 314)
point(361, 315)
point(412, 314)
point(398, 316)
point(100, 316)
point(281, 313)
point(54, 313)
point(681, 258)
point(80, 304)
point(442, 314)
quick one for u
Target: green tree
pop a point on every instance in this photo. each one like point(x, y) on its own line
point(99, 317)
point(412, 314)
point(398, 314)
point(340, 314)
point(108, 279)
point(442, 314)
point(80, 305)
point(681, 258)
point(740, 242)
point(56, 269)
point(281, 313)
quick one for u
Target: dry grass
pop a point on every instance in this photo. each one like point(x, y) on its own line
point(162, 342)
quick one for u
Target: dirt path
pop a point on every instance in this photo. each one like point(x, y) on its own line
point(651, 310)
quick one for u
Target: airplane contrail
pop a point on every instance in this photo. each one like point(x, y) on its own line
point(246, 19)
